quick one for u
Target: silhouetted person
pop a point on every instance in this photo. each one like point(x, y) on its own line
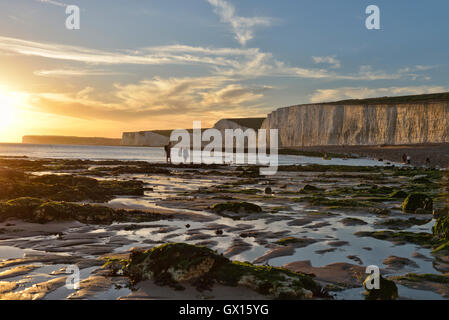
point(167, 149)
point(404, 158)
point(185, 154)
point(428, 162)
point(409, 159)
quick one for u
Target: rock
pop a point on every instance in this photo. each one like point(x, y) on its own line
point(352, 222)
point(309, 188)
point(399, 194)
point(441, 212)
point(397, 263)
point(338, 243)
point(296, 242)
point(236, 207)
point(382, 211)
point(441, 228)
point(417, 201)
point(177, 263)
point(387, 290)
point(268, 190)
point(36, 210)
point(340, 273)
point(356, 259)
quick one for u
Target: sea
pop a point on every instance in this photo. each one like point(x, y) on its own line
point(149, 154)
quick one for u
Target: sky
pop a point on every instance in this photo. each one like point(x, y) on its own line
point(161, 64)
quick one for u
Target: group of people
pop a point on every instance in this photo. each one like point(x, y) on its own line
point(167, 149)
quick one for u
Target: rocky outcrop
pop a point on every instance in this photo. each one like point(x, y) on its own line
point(392, 121)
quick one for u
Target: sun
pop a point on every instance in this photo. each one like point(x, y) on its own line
point(8, 105)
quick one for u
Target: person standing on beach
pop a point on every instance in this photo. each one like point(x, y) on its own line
point(409, 159)
point(404, 158)
point(167, 149)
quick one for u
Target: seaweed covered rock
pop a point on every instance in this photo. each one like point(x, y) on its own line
point(58, 211)
point(387, 290)
point(40, 211)
point(441, 212)
point(64, 187)
point(176, 263)
point(441, 228)
point(309, 189)
point(417, 201)
point(399, 194)
point(236, 207)
point(20, 208)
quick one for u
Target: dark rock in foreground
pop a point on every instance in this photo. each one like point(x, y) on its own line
point(177, 263)
point(40, 211)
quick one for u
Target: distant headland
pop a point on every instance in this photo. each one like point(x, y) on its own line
point(88, 141)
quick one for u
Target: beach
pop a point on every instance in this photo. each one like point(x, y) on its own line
point(324, 223)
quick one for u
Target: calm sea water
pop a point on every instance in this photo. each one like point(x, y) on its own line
point(150, 154)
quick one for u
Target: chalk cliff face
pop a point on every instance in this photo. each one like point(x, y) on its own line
point(359, 124)
point(144, 138)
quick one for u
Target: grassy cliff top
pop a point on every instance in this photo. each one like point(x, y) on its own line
point(253, 123)
point(420, 98)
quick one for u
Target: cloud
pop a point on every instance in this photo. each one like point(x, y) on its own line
point(243, 27)
point(73, 73)
point(327, 95)
point(231, 62)
point(331, 60)
point(194, 97)
point(53, 2)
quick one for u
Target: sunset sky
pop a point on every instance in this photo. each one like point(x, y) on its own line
point(158, 64)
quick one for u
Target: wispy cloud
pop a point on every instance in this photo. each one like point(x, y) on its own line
point(230, 62)
point(331, 60)
point(53, 2)
point(327, 95)
point(243, 27)
point(73, 73)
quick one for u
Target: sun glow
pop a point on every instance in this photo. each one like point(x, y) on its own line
point(10, 103)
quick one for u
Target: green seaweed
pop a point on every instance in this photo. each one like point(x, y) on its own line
point(176, 263)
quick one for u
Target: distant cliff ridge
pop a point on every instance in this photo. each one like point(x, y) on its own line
point(389, 120)
point(71, 140)
point(159, 138)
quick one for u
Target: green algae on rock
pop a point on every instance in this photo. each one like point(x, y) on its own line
point(176, 263)
point(237, 207)
point(398, 194)
point(40, 211)
point(66, 187)
point(309, 189)
point(417, 201)
point(387, 290)
point(441, 228)
point(420, 238)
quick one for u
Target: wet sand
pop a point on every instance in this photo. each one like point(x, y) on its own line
point(438, 153)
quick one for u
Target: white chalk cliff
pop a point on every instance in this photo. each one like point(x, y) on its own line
point(361, 124)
